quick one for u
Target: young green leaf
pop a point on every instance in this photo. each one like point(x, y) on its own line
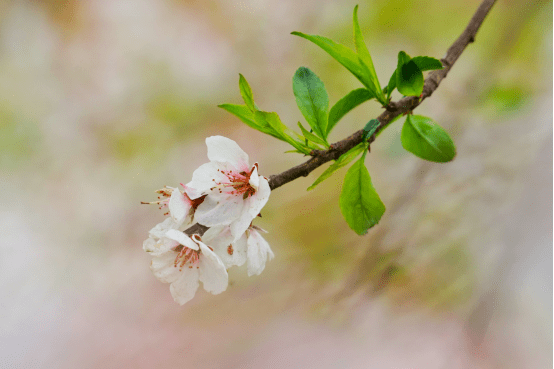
point(246, 93)
point(370, 129)
point(365, 57)
point(424, 138)
point(347, 103)
point(248, 117)
point(409, 78)
point(311, 137)
point(427, 63)
point(272, 120)
point(340, 53)
point(392, 84)
point(359, 202)
point(423, 63)
point(312, 99)
point(339, 163)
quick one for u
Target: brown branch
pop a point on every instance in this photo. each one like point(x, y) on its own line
point(392, 111)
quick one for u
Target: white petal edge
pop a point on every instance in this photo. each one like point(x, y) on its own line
point(254, 178)
point(182, 238)
point(164, 269)
point(219, 238)
point(239, 226)
point(203, 179)
point(160, 228)
point(258, 200)
point(212, 272)
point(258, 253)
point(158, 246)
point(178, 206)
point(224, 149)
point(184, 288)
point(219, 209)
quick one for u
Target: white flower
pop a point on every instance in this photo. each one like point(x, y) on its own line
point(190, 262)
point(181, 210)
point(251, 248)
point(235, 192)
point(181, 207)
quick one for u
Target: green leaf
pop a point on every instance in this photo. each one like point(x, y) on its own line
point(312, 137)
point(423, 63)
point(312, 99)
point(339, 163)
point(427, 63)
point(424, 138)
point(347, 103)
point(363, 54)
point(340, 53)
point(370, 128)
point(309, 144)
point(246, 93)
point(272, 120)
point(392, 84)
point(359, 202)
point(409, 78)
point(248, 117)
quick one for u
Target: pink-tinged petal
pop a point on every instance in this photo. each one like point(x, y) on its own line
point(203, 179)
point(184, 288)
point(221, 240)
point(164, 269)
point(212, 272)
point(258, 253)
point(179, 206)
point(219, 209)
point(224, 149)
point(254, 179)
point(239, 226)
point(258, 200)
point(182, 238)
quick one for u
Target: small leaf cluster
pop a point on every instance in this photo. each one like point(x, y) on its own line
point(359, 202)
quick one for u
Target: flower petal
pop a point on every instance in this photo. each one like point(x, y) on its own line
point(221, 240)
point(239, 226)
point(160, 228)
point(164, 269)
point(179, 206)
point(258, 252)
point(258, 200)
point(212, 272)
point(182, 238)
point(203, 178)
point(224, 149)
point(219, 209)
point(184, 288)
point(254, 178)
point(158, 246)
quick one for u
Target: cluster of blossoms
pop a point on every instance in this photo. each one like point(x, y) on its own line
point(226, 195)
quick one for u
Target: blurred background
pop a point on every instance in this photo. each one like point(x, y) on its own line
point(104, 102)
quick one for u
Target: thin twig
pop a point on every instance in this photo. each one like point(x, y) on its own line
point(394, 109)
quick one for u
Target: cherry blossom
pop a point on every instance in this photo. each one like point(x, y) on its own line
point(181, 211)
point(250, 247)
point(187, 264)
point(180, 206)
point(235, 192)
